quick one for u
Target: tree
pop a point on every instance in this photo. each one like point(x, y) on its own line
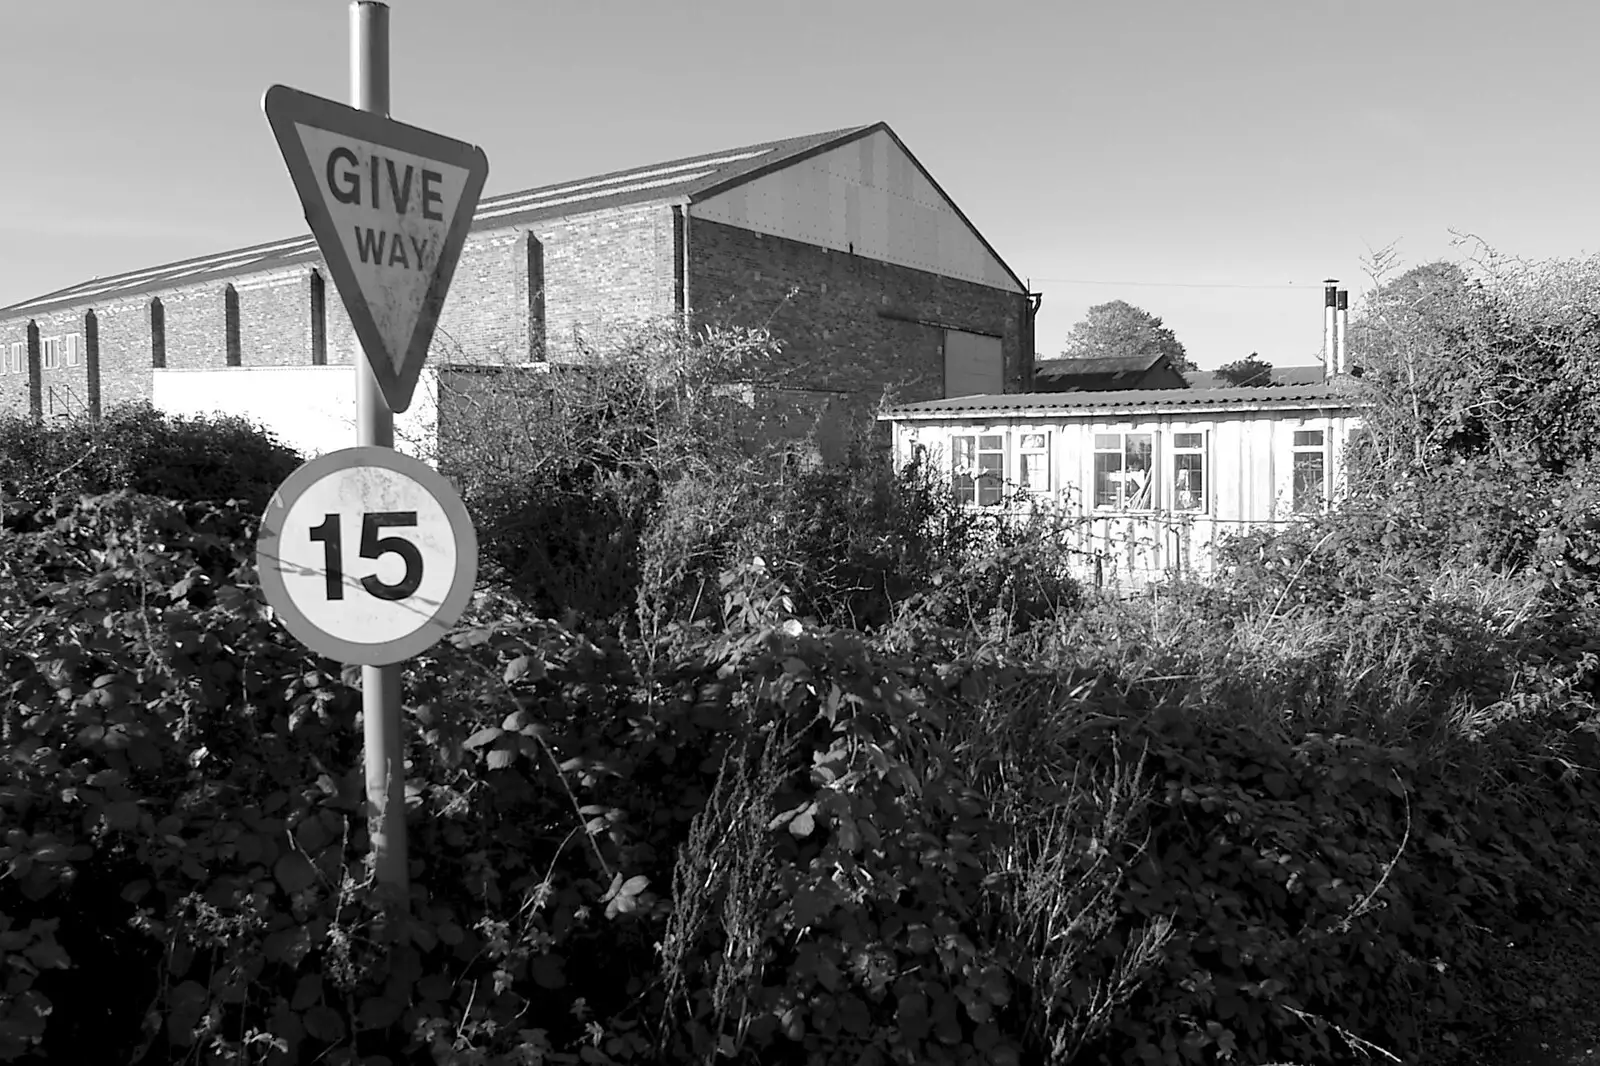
point(1497, 359)
point(1120, 329)
point(1252, 370)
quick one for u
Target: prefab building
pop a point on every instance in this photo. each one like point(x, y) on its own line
point(1144, 484)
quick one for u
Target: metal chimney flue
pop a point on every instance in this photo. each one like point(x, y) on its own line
point(1340, 337)
point(1330, 300)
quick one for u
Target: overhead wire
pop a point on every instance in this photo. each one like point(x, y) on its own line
point(1182, 284)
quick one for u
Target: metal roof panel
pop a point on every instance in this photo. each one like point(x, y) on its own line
point(676, 179)
point(1013, 405)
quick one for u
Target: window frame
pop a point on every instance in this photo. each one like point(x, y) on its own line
point(975, 481)
point(50, 353)
point(16, 357)
point(1320, 450)
point(1021, 451)
point(1154, 493)
point(71, 349)
point(1203, 450)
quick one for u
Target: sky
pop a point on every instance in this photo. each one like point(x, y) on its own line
point(1211, 163)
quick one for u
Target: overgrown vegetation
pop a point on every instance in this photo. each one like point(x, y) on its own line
point(741, 758)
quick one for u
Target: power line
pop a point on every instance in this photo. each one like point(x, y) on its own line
point(1180, 284)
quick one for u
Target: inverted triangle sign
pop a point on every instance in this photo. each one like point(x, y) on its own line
point(390, 206)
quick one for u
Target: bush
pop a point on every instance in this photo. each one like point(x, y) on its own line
point(563, 467)
point(1294, 815)
point(775, 842)
point(139, 449)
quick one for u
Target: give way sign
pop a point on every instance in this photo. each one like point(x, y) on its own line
point(390, 206)
point(367, 555)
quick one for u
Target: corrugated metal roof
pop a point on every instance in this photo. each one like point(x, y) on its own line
point(1104, 364)
point(690, 178)
point(1281, 375)
point(1025, 404)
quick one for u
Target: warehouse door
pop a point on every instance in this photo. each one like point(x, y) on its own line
point(972, 364)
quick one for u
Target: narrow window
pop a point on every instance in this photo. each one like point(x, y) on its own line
point(158, 334)
point(230, 314)
point(319, 320)
point(1189, 471)
point(71, 349)
point(91, 360)
point(50, 353)
point(17, 358)
point(977, 468)
point(1033, 462)
point(536, 335)
point(1124, 471)
point(1310, 471)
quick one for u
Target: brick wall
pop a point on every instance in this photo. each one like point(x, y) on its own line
point(63, 389)
point(274, 321)
point(485, 315)
point(124, 351)
point(849, 325)
point(195, 327)
point(13, 381)
point(852, 326)
point(605, 272)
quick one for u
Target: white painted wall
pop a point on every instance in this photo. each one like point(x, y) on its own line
point(309, 408)
point(868, 197)
point(1249, 476)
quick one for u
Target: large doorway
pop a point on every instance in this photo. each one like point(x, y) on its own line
point(973, 364)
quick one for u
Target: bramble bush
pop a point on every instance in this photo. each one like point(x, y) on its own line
point(1295, 815)
point(784, 842)
point(139, 449)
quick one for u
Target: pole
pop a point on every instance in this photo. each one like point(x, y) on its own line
point(380, 685)
point(1329, 299)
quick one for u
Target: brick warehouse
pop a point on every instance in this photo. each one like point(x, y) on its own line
point(841, 242)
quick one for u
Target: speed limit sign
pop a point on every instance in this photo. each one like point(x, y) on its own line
point(367, 555)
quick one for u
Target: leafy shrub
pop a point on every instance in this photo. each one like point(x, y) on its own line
point(844, 852)
point(563, 467)
point(139, 449)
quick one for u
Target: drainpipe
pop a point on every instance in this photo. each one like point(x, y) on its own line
point(1330, 300)
point(1032, 302)
point(680, 263)
point(1340, 326)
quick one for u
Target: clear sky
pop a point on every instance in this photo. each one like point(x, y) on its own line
point(1208, 162)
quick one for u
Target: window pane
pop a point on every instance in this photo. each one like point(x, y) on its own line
point(1141, 448)
point(1138, 487)
point(1308, 488)
point(1108, 442)
point(961, 457)
point(991, 444)
point(1033, 442)
point(991, 475)
point(1189, 482)
point(1034, 471)
point(1308, 438)
point(1186, 440)
point(1108, 479)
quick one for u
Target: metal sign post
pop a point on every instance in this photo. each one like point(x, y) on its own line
point(367, 555)
point(384, 746)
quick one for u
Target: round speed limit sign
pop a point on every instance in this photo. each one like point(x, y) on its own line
point(367, 555)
